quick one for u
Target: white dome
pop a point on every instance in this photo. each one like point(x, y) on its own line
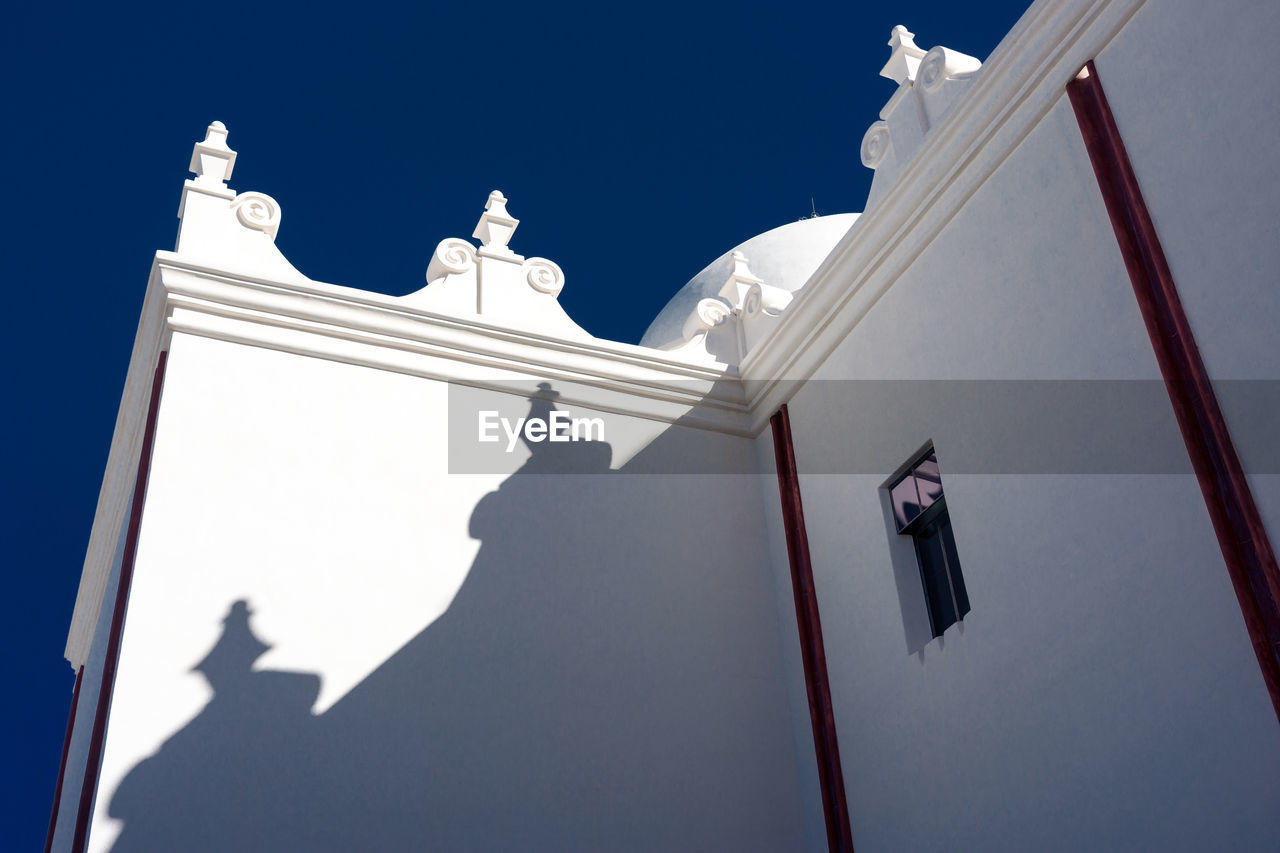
point(784, 257)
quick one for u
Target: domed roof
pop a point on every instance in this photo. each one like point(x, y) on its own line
point(784, 257)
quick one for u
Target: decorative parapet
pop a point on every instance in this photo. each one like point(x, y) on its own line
point(929, 85)
point(220, 228)
point(236, 233)
point(729, 324)
point(494, 282)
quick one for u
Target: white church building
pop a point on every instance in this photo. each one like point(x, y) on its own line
point(946, 525)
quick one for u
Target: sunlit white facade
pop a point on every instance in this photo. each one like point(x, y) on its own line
point(322, 610)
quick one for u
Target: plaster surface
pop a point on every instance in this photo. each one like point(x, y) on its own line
point(339, 630)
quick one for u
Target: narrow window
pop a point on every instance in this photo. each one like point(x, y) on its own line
point(920, 511)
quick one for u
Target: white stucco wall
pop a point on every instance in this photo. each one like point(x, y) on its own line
point(457, 661)
point(1201, 136)
point(1102, 693)
point(793, 665)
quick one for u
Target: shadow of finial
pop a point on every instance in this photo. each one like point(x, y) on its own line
point(233, 655)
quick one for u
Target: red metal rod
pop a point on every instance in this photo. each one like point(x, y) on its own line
point(830, 777)
point(94, 762)
point(62, 767)
point(1250, 558)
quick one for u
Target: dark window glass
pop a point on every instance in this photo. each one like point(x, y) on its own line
point(928, 480)
point(906, 502)
point(918, 489)
point(920, 511)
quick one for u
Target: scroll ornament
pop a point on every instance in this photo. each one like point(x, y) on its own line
point(258, 211)
point(544, 276)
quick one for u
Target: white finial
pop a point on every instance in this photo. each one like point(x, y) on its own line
point(740, 280)
point(496, 225)
point(905, 58)
point(740, 272)
point(212, 160)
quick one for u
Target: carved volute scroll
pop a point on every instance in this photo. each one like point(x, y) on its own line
point(258, 211)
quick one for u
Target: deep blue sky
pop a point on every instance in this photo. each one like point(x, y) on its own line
point(636, 144)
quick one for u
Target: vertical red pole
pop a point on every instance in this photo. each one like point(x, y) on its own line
point(1251, 561)
point(835, 808)
point(94, 762)
point(62, 767)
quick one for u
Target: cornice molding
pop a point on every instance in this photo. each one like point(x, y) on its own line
point(369, 329)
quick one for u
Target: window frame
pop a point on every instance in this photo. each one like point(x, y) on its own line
point(934, 515)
